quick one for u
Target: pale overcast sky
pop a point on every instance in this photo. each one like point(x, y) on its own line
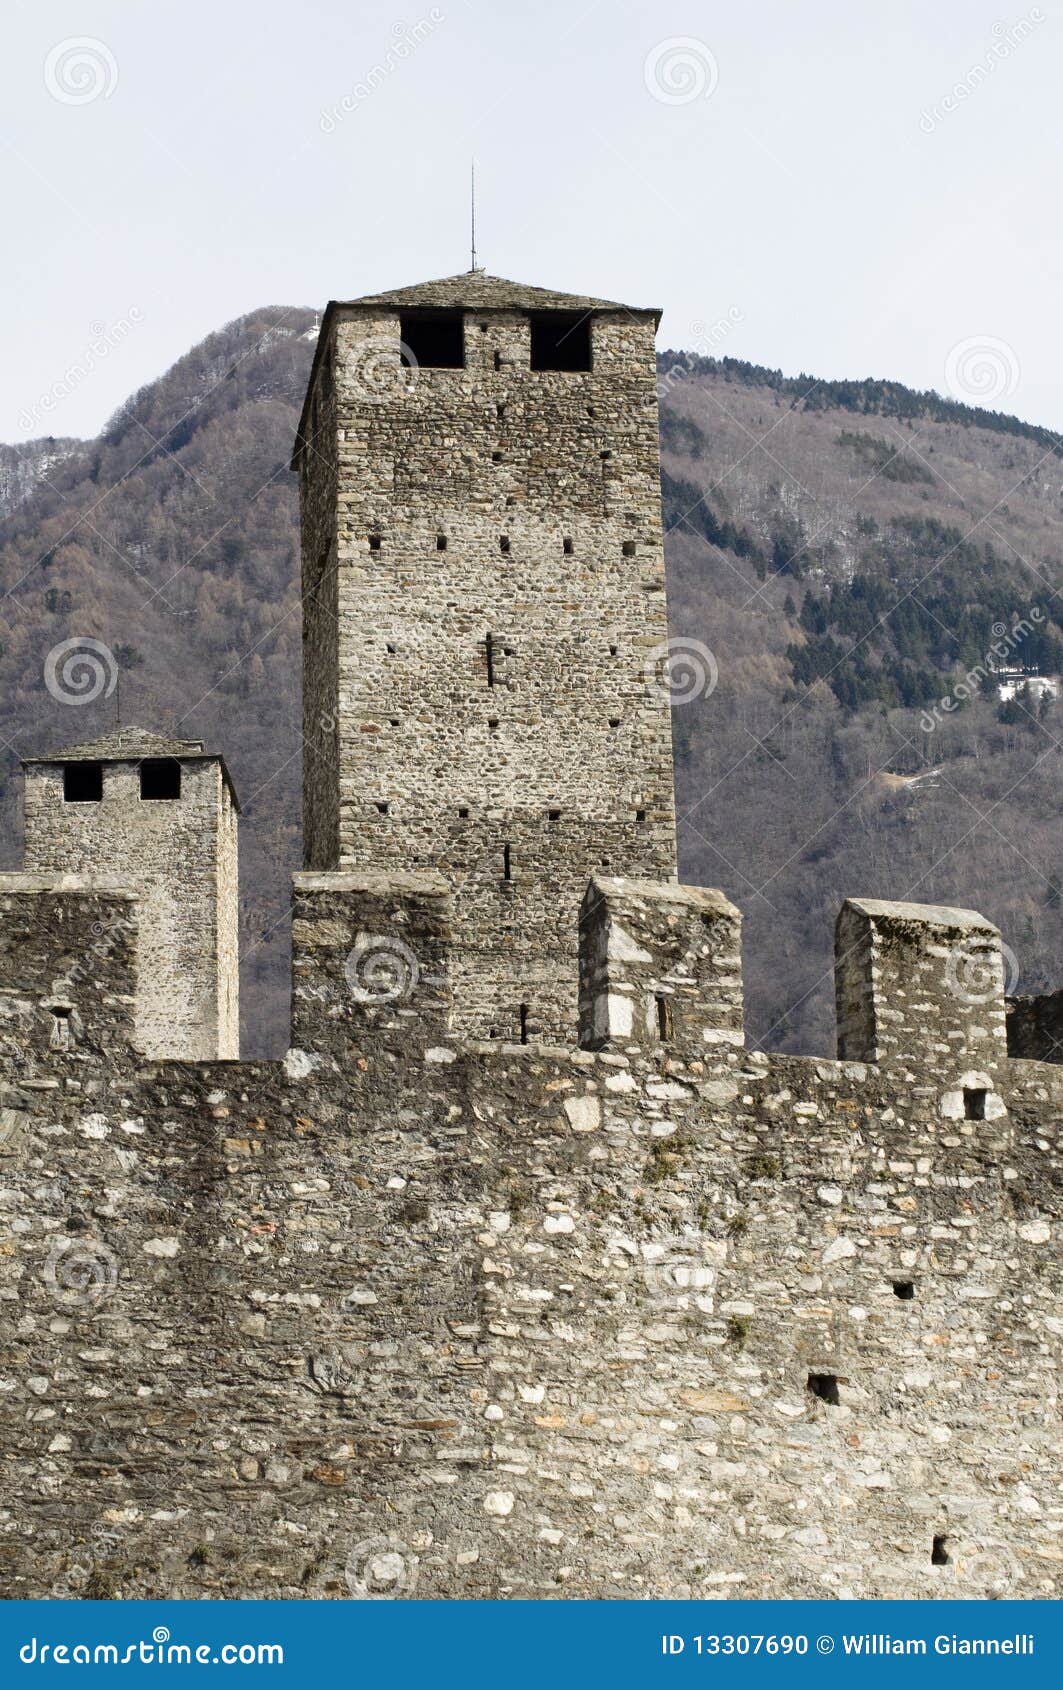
point(841, 188)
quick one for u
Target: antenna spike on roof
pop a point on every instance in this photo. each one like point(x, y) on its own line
point(472, 216)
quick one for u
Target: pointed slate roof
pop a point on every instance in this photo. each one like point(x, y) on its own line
point(475, 290)
point(132, 745)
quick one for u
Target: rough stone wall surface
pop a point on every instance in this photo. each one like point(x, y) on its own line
point(180, 855)
point(487, 642)
point(415, 1314)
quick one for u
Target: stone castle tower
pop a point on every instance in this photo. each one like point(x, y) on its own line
point(484, 618)
point(160, 816)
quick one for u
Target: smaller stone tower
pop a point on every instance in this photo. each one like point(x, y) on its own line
point(160, 816)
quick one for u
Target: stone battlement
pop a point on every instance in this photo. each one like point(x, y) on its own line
point(653, 1315)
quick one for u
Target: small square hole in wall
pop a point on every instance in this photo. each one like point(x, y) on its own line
point(382, 807)
point(605, 456)
point(374, 542)
point(503, 545)
point(974, 1098)
point(492, 723)
point(825, 1387)
point(82, 783)
point(613, 650)
point(640, 815)
point(391, 651)
point(566, 546)
point(614, 721)
point(160, 778)
point(560, 340)
point(904, 1289)
point(498, 360)
point(441, 542)
point(433, 339)
point(500, 408)
point(496, 457)
point(628, 548)
point(554, 815)
point(939, 1551)
point(463, 814)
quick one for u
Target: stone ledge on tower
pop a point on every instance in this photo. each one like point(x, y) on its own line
point(660, 968)
point(69, 975)
point(370, 958)
point(919, 983)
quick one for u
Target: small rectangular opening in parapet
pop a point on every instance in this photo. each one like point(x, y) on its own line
point(160, 777)
point(560, 340)
point(825, 1387)
point(974, 1103)
point(503, 545)
point(82, 783)
point(374, 542)
point(664, 1017)
point(567, 546)
point(628, 548)
point(506, 863)
point(489, 653)
point(441, 542)
point(433, 340)
point(553, 815)
point(904, 1289)
point(939, 1552)
point(523, 1023)
point(382, 807)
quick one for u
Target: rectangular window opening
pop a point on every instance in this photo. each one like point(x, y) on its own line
point(489, 650)
point(904, 1289)
point(560, 340)
point(160, 777)
point(664, 1017)
point(628, 548)
point(974, 1098)
point(825, 1387)
point(507, 866)
point(939, 1551)
point(567, 546)
point(503, 545)
point(374, 542)
point(524, 1023)
point(441, 542)
point(432, 340)
point(82, 783)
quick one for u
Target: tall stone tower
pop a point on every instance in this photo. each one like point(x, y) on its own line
point(160, 816)
point(484, 596)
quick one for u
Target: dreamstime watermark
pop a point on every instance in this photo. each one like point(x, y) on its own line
point(975, 968)
point(80, 670)
point(675, 1271)
point(106, 338)
point(680, 69)
point(381, 969)
point(982, 368)
point(80, 1272)
point(1005, 640)
point(404, 42)
point(379, 1568)
point(1008, 37)
point(159, 1652)
point(706, 344)
point(381, 369)
point(681, 670)
point(79, 70)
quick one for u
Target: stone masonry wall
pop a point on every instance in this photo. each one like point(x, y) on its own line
point(412, 1314)
point(491, 506)
point(181, 857)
